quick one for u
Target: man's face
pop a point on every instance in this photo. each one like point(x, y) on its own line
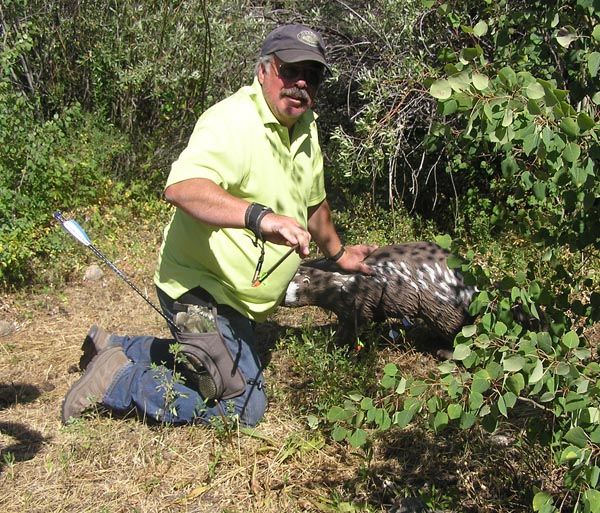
point(290, 88)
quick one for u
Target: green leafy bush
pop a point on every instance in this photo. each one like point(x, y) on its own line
point(47, 162)
point(539, 141)
point(60, 163)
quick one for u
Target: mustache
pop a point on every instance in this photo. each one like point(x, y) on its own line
point(296, 93)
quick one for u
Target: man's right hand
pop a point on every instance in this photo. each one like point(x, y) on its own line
point(286, 231)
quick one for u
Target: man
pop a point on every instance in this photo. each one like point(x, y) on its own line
point(248, 187)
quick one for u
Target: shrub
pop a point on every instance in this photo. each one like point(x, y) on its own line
point(540, 142)
point(57, 164)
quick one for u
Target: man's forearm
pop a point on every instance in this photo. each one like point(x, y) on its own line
point(207, 202)
point(323, 232)
point(322, 229)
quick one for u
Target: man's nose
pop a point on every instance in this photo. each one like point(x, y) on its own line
point(302, 81)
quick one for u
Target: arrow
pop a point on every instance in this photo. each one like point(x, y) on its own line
point(74, 228)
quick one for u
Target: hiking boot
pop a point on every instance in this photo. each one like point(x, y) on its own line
point(91, 387)
point(95, 341)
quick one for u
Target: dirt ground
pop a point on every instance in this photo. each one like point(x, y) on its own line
point(102, 464)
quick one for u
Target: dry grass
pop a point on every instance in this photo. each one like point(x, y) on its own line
point(101, 464)
point(118, 465)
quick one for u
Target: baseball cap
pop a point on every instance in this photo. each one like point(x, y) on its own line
point(295, 43)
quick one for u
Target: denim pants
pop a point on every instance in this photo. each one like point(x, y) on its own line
point(147, 381)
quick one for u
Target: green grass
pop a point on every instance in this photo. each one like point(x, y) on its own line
point(326, 376)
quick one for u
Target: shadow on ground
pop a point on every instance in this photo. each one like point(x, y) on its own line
point(17, 393)
point(28, 443)
point(412, 470)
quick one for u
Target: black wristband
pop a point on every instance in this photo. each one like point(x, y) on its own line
point(254, 215)
point(338, 255)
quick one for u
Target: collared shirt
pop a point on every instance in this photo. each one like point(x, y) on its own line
point(239, 144)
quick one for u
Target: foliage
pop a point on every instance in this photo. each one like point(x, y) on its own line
point(144, 68)
point(363, 221)
point(328, 375)
point(482, 114)
point(537, 143)
point(95, 101)
point(377, 143)
point(43, 166)
point(385, 147)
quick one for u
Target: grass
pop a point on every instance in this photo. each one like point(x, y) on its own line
point(288, 463)
point(320, 379)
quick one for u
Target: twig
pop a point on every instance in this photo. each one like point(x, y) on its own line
point(387, 43)
point(534, 404)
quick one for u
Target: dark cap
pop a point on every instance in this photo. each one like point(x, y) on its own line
point(295, 43)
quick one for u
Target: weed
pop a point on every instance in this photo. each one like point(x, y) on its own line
point(9, 461)
point(167, 379)
point(214, 463)
point(227, 423)
point(327, 376)
point(435, 498)
point(337, 504)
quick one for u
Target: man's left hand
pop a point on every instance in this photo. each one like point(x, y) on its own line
point(353, 258)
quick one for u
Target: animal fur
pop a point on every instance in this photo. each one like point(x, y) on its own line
point(411, 281)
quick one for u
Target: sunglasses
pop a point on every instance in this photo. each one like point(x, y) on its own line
point(292, 72)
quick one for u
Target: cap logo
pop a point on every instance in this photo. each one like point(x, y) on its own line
point(308, 37)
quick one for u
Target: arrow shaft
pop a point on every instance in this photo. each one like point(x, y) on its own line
point(79, 234)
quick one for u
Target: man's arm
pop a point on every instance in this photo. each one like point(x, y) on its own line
point(208, 202)
point(323, 232)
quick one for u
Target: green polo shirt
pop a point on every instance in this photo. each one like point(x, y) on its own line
point(239, 144)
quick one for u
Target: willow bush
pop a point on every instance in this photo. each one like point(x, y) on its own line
point(97, 98)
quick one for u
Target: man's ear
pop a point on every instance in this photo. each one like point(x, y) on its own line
point(261, 73)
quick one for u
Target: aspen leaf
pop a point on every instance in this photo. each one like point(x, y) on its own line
point(536, 373)
point(513, 363)
point(592, 499)
point(454, 411)
point(459, 82)
point(440, 420)
point(508, 118)
point(576, 436)
point(534, 91)
point(469, 331)
point(569, 127)
point(541, 500)
point(480, 29)
point(593, 63)
point(508, 76)
point(358, 438)
point(571, 152)
point(461, 351)
point(539, 190)
point(566, 35)
point(480, 81)
point(570, 340)
point(579, 176)
point(533, 108)
point(445, 241)
point(440, 89)
point(585, 122)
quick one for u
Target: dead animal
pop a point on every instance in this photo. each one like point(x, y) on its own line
point(412, 282)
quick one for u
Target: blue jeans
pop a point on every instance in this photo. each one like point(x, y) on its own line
point(147, 381)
